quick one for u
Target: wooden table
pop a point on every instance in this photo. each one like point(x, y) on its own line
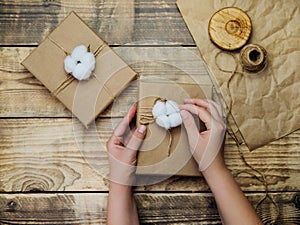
point(44, 176)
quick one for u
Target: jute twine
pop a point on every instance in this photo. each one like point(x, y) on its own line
point(69, 79)
point(253, 57)
point(260, 176)
point(147, 118)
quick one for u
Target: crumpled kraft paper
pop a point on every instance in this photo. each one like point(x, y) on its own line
point(265, 106)
point(163, 152)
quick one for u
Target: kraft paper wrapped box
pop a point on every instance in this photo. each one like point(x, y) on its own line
point(163, 152)
point(86, 99)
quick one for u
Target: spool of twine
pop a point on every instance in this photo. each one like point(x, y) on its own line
point(253, 57)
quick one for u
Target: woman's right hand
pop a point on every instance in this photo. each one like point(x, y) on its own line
point(206, 146)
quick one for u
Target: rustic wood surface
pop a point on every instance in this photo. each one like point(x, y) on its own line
point(50, 174)
point(28, 22)
point(154, 208)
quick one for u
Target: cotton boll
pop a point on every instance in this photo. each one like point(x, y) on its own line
point(159, 109)
point(171, 107)
point(81, 72)
point(78, 52)
point(163, 121)
point(175, 119)
point(88, 59)
point(69, 64)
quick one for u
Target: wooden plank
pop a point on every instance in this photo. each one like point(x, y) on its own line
point(118, 22)
point(154, 208)
point(22, 95)
point(59, 154)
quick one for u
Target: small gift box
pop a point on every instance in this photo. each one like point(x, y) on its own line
point(166, 152)
point(85, 98)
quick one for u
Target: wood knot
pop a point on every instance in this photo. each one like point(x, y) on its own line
point(297, 200)
point(35, 190)
point(11, 206)
point(253, 57)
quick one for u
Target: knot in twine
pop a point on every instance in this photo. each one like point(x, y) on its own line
point(164, 112)
point(80, 50)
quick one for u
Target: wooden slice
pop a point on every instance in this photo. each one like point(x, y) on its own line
point(230, 28)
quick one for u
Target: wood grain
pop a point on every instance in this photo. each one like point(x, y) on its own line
point(22, 95)
point(59, 154)
point(45, 154)
point(230, 28)
point(154, 208)
point(117, 22)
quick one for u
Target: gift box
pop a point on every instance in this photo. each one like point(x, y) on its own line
point(85, 98)
point(166, 152)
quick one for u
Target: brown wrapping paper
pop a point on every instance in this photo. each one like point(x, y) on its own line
point(262, 107)
point(155, 157)
point(86, 99)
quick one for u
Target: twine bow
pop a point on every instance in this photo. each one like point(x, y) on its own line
point(69, 78)
point(147, 118)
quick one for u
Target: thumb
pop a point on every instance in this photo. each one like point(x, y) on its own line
point(191, 128)
point(137, 138)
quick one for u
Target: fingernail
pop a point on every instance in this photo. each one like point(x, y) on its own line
point(142, 129)
point(184, 114)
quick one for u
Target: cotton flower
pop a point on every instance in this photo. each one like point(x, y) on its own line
point(80, 63)
point(175, 119)
point(166, 114)
point(159, 109)
point(171, 107)
point(163, 121)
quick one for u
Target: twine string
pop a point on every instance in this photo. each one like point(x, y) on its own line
point(99, 49)
point(147, 118)
point(63, 85)
point(58, 45)
point(253, 57)
point(231, 76)
point(105, 87)
point(262, 179)
point(170, 142)
point(70, 78)
point(261, 176)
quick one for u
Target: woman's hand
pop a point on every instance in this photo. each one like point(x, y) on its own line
point(206, 148)
point(206, 145)
point(122, 149)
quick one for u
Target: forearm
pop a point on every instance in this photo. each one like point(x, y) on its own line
point(121, 207)
point(234, 207)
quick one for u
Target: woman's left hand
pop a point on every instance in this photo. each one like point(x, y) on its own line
point(122, 149)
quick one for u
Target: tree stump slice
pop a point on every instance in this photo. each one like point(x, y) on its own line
point(230, 28)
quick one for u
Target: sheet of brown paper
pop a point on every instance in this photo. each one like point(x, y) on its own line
point(86, 99)
point(155, 157)
point(264, 106)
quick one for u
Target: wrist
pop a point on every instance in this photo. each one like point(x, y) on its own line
point(116, 187)
point(122, 174)
point(217, 168)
